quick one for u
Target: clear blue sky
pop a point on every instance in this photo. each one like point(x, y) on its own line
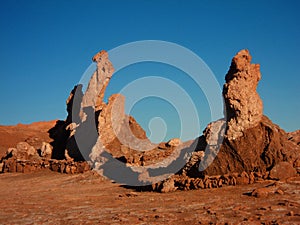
point(45, 46)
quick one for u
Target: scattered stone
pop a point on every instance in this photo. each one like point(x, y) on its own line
point(25, 159)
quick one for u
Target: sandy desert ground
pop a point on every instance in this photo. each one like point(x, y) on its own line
point(51, 198)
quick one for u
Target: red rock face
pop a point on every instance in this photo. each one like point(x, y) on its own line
point(259, 149)
point(294, 136)
point(282, 171)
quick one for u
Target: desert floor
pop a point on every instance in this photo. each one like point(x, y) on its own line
point(49, 197)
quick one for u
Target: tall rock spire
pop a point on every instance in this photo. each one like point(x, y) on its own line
point(94, 94)
point(244, 108)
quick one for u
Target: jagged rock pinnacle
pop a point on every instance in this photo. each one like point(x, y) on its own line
point(94, 94)
point(244, 108)
point(102, 55)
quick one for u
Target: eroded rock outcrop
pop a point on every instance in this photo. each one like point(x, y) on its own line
point(259, 149)
point(294, 137)
point(93, 126)
point(94, 94)
point(244, 108)
point(242, 148)
point(25, 159)
point(253, 147)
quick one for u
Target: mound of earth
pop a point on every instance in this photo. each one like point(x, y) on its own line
point(34, 134)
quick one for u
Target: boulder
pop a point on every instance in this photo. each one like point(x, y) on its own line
point(168, 186)
point(282, 171)
point(23, 151)
point(46, 150)
point(261, 192)
point(174, 142)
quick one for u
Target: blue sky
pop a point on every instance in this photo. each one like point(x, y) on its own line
point(45, 47)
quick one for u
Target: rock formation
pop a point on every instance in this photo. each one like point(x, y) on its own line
point(253, 147)
point(46, 150)
point(294, 137)
point(244, 108)
point(241, 148)
point(252, 142)
point(25, 159)
point(94, 94)
point(100, 125)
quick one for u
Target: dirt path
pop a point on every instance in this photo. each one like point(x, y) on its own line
point(52, 198)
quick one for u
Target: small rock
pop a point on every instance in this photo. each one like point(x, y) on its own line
point(260, 192)
point(232, 181)
point(46, 150)
point(67, 156)
point(174, 142)
point(279, 192)
point(131, 194)
point(168, 186)
point(200, 184)
point(25, 147)
point(220, 183)
point(243, 178)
